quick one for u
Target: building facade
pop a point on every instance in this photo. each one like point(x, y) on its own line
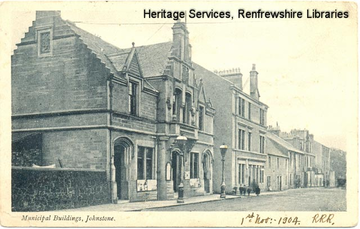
point(240, 123)
point(79, 102)
point(316, 160)
point(277, 169)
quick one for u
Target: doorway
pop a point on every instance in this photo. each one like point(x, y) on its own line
point(121, 176)
point(207, 172)
point(176, 166)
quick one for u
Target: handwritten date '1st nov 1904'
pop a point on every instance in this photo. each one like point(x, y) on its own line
point(316, 219)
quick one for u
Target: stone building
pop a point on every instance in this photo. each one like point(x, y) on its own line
point(316, 161)
point(277, 169)
point(240, 123)
point(79, 102)
point(338, 165)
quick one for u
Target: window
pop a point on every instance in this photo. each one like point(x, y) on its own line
point(176, 104)
point(187, 109)
point(249, 114)
point(249, 141)
point(268, 178)
point(132, 98)
point(44, 42)
point(262, 175)
point(262, 117)
point(241, 173)
point(241, 143)
point(194, 165)
point(277, 162)
point(201, 118)
point(241, 107)
point(145, 163)
point(262, 144)
point(269, 162)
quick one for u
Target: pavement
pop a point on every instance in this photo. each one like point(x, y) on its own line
point(301, 199)
point(125, 205)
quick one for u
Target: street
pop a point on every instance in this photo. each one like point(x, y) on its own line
point(306, 199)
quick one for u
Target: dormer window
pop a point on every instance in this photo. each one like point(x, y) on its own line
point(44, 42)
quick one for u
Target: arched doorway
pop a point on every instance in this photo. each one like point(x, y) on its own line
point(207, 170)
point(122, 151)
point(176, 164)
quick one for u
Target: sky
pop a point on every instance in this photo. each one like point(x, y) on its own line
point(307, 67)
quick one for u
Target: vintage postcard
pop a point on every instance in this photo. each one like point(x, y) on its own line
point(179, 114)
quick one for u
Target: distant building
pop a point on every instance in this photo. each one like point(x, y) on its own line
point(338, 165)
point(277, 167)
point(319, 163)
point(300, 171)
point(240, 123)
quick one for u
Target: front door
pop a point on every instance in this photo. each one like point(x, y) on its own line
point(121, 176)
point(176, 166)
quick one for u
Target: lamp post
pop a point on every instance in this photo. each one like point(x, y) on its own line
point(181, 141)
point(223, 149)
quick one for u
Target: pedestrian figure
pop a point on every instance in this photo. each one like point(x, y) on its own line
point(248, 191)
point(242, 190)
point(257, 190)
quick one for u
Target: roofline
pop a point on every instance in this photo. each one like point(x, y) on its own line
point(278, 155)
point(232, 86)
point(248, 96)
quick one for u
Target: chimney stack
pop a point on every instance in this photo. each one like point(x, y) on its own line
point(274, 130)
point(234, 75)
point(46, 18)
point(181, 45)
point(254, 90)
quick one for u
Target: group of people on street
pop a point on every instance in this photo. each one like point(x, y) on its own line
point(247, 189)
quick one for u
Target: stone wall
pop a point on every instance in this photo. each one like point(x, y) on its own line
point(71, 78)
point(35, 189)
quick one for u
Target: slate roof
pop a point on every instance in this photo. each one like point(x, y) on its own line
point(153, 58)
point(273, 148)
point(99, 47)
point(282, 145)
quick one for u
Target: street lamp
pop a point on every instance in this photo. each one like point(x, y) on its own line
point(181, 141)
point(223, 149)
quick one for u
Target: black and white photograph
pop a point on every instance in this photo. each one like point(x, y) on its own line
point(166, 114)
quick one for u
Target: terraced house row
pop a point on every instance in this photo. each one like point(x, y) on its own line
point(93, 123)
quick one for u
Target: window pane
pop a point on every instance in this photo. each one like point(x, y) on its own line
point(196, 165)
point(249, 142)
point(140, 163)
point(149, 164)
point(132, 98)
